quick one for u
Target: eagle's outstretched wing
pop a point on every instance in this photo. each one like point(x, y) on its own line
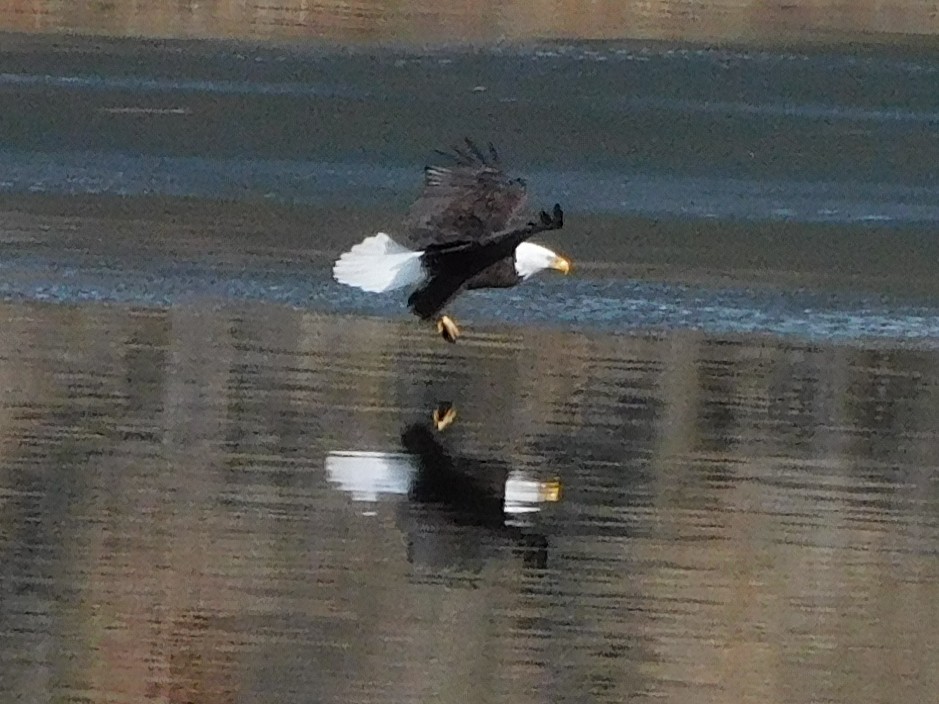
point(469, 200)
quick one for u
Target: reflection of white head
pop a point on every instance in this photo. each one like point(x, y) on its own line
point(524, 492)
point(530, 258)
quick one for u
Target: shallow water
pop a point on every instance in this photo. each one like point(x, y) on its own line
point(587, 303)
point(749, 520)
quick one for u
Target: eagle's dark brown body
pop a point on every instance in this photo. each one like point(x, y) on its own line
point(468, 221)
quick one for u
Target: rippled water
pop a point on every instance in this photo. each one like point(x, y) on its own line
point(745, 520)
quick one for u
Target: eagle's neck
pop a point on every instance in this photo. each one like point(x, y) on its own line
point(530, 258)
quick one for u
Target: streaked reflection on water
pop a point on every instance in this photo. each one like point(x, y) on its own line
point(745, 519)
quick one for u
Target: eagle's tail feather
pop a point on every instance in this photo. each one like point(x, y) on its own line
point(377, 264)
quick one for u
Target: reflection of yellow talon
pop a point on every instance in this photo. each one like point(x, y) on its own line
point(448, 329)
point(550, 491)
point(444, 415)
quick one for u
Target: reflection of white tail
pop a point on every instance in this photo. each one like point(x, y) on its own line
point(368, 475)
point(378, 263)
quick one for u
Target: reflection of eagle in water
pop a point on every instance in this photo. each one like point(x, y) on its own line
point(466, 230)
point(492, 503)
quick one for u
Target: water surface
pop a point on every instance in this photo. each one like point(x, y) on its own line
point(748, 520)
point(219, 475)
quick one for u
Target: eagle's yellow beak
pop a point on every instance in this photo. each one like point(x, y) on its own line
point(550, 491)
point(561, 264)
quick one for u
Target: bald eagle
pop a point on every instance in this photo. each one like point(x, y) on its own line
point(466, 230)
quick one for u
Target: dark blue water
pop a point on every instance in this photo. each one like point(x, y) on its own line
point(608, 128)
point(698, 138)
point(367, 184)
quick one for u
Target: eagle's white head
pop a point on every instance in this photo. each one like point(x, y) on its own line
point(530, 258)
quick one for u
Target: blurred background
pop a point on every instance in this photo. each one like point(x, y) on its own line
point(759, 21)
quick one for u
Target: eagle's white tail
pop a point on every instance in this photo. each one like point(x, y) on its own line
point(378, 263)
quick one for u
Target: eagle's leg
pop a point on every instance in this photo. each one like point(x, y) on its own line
point(447, 329)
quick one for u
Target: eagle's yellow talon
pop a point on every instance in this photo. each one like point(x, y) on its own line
point(448, 329)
